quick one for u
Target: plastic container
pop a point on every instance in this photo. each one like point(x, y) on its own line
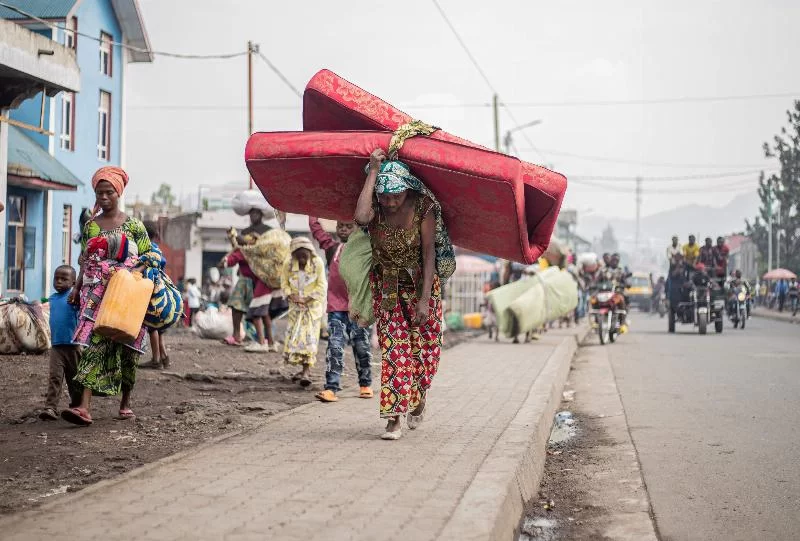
point(124, 306)
point(473, 321)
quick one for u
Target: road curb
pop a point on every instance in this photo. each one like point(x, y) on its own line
point(493, 504)
point(776, 317)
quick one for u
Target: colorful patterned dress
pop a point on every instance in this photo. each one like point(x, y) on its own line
point(303, 320)
point(107, 367)
point(409, 355)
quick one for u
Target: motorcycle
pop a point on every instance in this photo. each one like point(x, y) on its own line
point(696, 301)
point(605, 313)
point(661, 304)
point(737, 307)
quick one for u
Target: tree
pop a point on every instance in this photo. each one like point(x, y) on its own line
point(163, 196)
point(780, 196)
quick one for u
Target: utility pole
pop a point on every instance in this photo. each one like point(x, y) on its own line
point(252, 48)
point(496, 108)
point(778, 242)
point(638, 212)
point(769, 226)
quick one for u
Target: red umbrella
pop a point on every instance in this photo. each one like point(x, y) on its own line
point(779, 274)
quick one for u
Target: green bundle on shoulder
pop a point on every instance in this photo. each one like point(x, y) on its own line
point(355, 264)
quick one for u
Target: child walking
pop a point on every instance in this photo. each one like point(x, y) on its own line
point(304, 284)
point(64, 354)
point(340, 327)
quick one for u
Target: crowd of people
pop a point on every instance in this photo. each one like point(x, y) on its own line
point(411, 258)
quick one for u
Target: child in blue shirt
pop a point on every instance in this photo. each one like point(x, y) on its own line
point(64, 354)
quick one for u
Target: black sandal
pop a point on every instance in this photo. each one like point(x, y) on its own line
point(152, 365)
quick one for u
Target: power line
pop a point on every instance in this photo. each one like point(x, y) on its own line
point(212, 107)
point(464, 46)
point(725, 188)
point(701, 176)
point(280, 75)
point(222, 56)
point(655, 101)
point(642, 163)
point(483, 74)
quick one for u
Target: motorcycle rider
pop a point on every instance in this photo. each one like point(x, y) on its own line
point(619, 277)
point(674, 254)
point(691, 251)
point(721, 252)
point(707, 255)
point(738, 281)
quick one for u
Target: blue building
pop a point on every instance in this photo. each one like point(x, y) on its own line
point(50, 169)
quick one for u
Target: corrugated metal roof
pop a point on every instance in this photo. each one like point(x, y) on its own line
point(26, 159)
point(44, 9)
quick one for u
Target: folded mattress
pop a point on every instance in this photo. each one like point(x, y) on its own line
point(322, 174)
point(330, 102)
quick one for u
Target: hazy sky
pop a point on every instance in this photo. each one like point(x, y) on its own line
point(187, 118)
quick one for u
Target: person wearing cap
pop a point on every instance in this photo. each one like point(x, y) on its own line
point(305, 286)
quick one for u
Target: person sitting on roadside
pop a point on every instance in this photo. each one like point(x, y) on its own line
point(64, 353)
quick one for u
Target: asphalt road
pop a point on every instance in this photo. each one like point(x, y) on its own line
point(714, 421)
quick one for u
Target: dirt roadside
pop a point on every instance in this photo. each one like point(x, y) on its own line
point(210, 388)
point(592, 487)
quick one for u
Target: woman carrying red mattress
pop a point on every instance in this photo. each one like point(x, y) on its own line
point(412, 256)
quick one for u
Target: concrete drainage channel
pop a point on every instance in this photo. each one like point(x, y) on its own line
point(592, 486)
point(540, 523)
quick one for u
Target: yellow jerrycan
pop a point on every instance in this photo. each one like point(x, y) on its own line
point(124, 306)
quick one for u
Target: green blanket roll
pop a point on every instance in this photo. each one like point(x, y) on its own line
point(355, 264)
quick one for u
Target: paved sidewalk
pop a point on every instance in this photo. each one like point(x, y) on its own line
point(774, 315)
point(320, 471)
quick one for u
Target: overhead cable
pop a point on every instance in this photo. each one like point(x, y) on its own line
point(51, 24)
point(280, 75)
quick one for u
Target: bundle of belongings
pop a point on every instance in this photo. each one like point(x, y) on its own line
point(23, 327)
point(527, 304)
point(265, 253)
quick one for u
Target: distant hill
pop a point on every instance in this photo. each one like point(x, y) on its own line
point(702, 220)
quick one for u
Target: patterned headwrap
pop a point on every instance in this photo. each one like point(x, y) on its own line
point(115, 176)
point(394, 177)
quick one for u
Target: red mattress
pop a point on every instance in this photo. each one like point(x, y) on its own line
point(492, 203)
point(322, 173)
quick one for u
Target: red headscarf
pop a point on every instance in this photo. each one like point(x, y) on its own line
point(115, 176)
